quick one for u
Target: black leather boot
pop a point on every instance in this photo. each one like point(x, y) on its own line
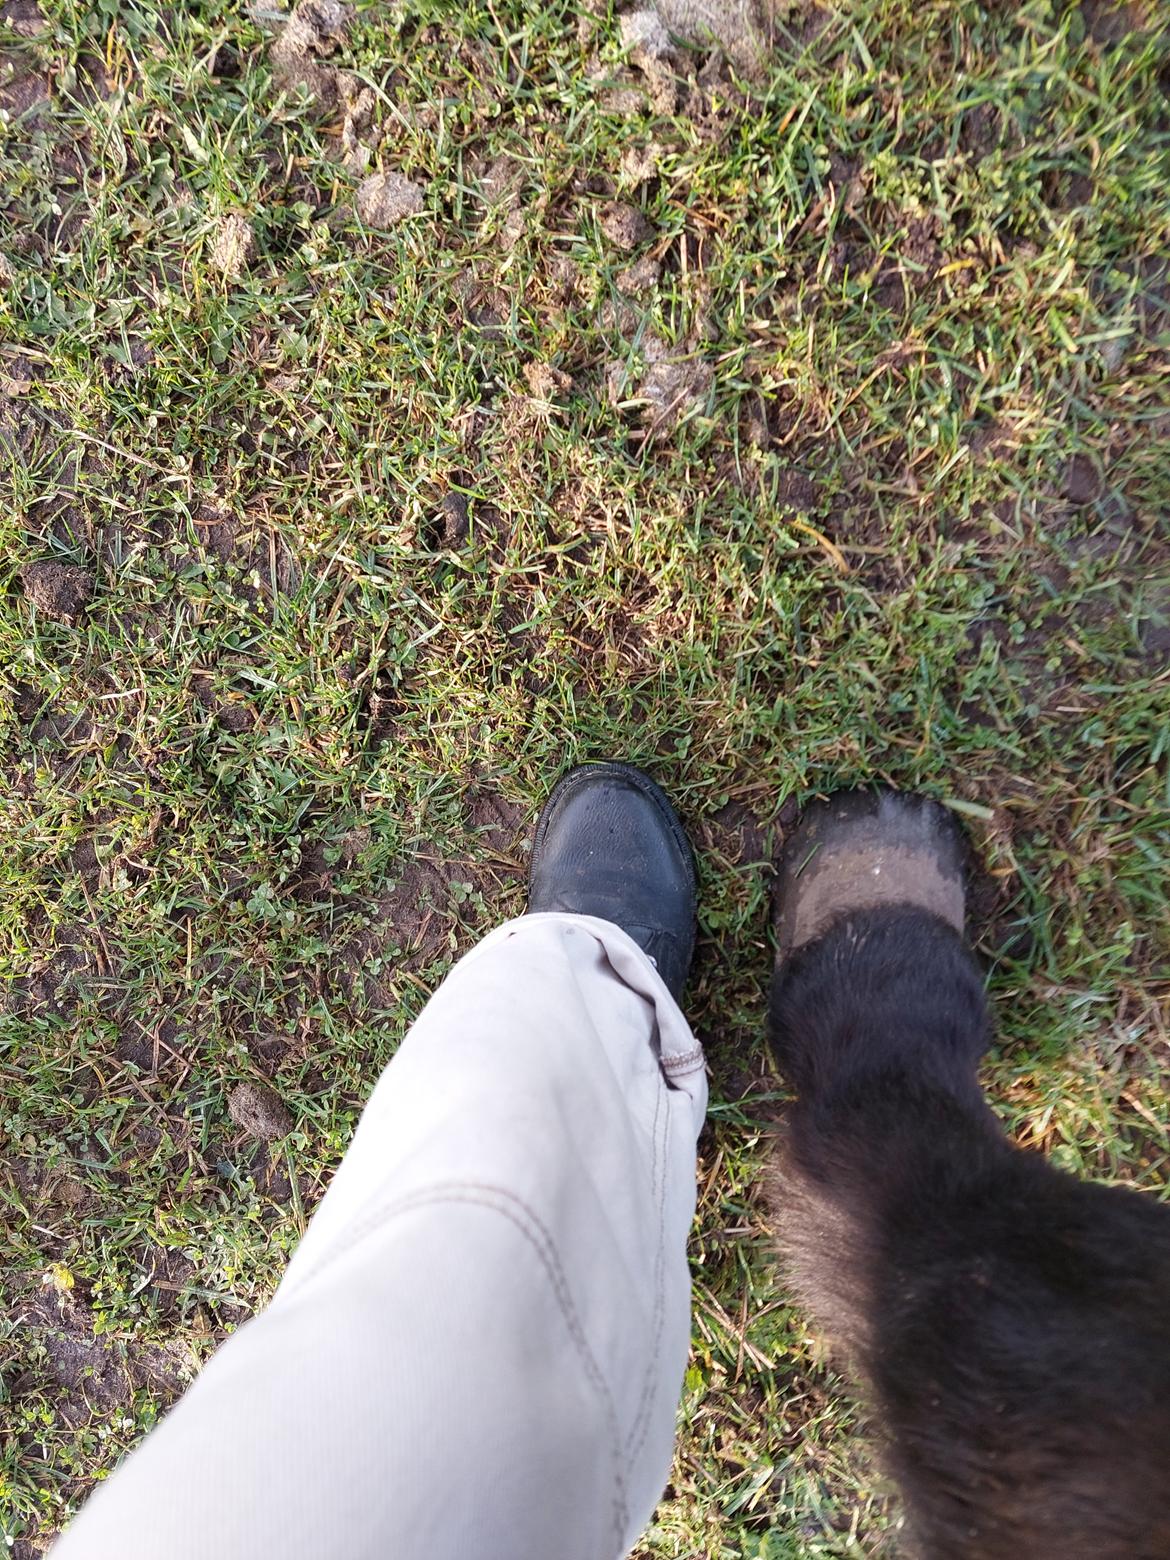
point(609, 844)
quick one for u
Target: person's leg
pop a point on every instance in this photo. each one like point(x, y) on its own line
point(478, 1346)
point(1009, 1326)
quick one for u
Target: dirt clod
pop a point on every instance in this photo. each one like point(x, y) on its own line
point(653, 50)
point(454, 525)
point(1082, 481)
point(640, 163)
point(1110, 21)
point(309, 36)
point(22, 91)
point(624, 225)
point(259, 1111)
point(61, 591)
point(502, 182)
point(624, 100)
point(233, 247)
point(639, 277)
point(386, 198)
point(672, 384)
point(359, 133)
point(544, 381)
point(24, 17)
point(234, 717)
point(743, 29)
point(645, 36)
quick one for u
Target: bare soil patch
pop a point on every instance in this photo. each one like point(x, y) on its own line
point(59, 590)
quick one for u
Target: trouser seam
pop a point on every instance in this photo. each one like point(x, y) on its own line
point(478, 1194)
point(656, 1180)
point(641, 1424)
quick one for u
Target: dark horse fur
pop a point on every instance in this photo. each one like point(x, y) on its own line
point(1008, 1326)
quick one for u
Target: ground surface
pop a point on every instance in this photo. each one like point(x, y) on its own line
point(772, 432)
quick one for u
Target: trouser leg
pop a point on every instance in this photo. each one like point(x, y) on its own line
point(478, 1347)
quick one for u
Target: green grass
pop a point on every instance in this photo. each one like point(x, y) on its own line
point(910, 526)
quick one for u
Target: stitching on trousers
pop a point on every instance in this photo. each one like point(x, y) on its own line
point(647, 1404)
point(683, 1061)
point(657, 1187)
point(658, 1192)
point(546, 1251)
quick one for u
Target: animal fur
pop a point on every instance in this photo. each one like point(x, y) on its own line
point(1007, 1325)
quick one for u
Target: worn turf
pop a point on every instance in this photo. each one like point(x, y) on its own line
point(775, 432)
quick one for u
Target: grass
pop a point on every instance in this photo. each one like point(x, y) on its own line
point(894, 509)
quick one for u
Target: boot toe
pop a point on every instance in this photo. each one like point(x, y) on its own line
point(609, 844)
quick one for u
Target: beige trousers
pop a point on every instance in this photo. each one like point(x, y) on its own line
point(477, 1350)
